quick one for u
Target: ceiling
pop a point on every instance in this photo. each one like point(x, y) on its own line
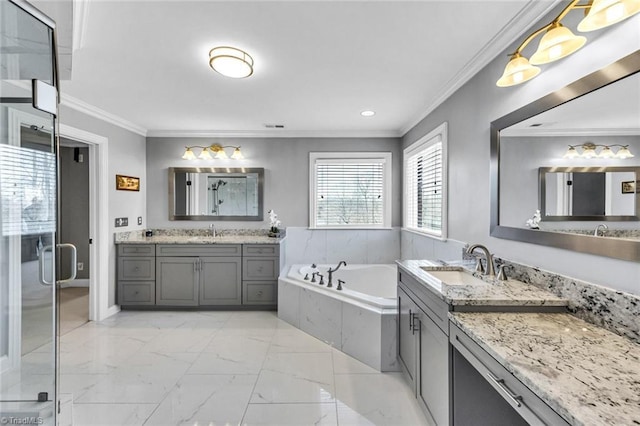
point(318, 64)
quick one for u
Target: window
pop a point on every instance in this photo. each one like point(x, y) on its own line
point(350, 190)
point(425, 184)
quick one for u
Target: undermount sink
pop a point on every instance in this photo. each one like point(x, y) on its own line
point(455, 278)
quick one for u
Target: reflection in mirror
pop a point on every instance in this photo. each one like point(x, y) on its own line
point(215, 193)
point(533, 167)
point(588, 193)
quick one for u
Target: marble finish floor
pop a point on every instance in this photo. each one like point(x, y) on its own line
point(74, 308)
point(212, 368)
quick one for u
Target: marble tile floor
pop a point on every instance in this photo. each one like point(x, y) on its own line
point(221, 368)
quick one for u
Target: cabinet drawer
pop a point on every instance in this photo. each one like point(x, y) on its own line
point(137, 293)
point(260, 268)
point(259, 292)
point(255, 250)
point(137, 268)
point(136, 250)
point(520, 397)
point(436, 308)
point(199, 250)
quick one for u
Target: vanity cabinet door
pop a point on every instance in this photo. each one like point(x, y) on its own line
point(220, 281)
point(433, 376)
point(407, 338)
point(177, 281)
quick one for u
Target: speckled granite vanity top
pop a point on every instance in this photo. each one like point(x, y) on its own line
point(586, 374)
point(494, 293)
point(196, 236)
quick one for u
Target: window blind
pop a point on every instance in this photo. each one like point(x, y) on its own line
point(349, 192)
point(27, 191)
point(424, 188)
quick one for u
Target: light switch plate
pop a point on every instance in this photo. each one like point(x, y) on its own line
point(122, 221)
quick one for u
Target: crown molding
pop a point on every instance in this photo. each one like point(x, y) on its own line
point(88, 109)
point(279, 133)
point(531, 12)
point(569, 132)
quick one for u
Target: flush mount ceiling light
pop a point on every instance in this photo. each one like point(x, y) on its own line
point(231, 62)
point(368, 113)
point(589, 151)
point(212, 151)
point(558, 41)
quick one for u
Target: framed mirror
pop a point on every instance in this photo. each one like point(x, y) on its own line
point(216, 193)
point(566, 155)
point(603, 194)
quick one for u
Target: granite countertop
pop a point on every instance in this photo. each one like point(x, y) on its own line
point(494, 293)
point(586, 374)
point(197, 236)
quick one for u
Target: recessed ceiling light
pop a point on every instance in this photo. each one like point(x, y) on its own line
point(368, 113)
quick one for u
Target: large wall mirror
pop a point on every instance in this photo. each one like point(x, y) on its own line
point(567, 155)
point(207, 193)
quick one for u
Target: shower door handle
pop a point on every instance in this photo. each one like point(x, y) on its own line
point(41, 266)
point(74, 261)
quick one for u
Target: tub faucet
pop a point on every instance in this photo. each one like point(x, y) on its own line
point(602, 227)
point(490, 270)
point(331, 271)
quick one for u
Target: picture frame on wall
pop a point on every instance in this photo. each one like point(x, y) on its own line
point(630, 187)
point(127, 183)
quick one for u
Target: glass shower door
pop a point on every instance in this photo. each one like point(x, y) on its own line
point(28, 212)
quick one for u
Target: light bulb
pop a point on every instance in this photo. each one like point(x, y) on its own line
point(606, 153)
point(624, 153)
point(571, 153)
point(237, 154)
point(188, 155)
point(205, 154)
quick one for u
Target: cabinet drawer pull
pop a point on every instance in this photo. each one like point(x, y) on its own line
point(410, 320)
point(500, 383)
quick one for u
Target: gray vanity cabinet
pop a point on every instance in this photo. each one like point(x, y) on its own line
point(177, 282)
point(220, 281)
point(199, 275)
point(136, 274)
point(423, 347)
point(260, 270)
point(407, 339)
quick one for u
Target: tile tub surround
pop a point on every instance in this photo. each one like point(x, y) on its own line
point(616, 311)
point(198, 236)
point(363, 332)
point(495, 293)
point(170, 368)
point(588, 375)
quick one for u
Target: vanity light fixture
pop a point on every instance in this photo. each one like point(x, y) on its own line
point(231, 62)
point(558, 41)
point(589, 151)
point(215, 151)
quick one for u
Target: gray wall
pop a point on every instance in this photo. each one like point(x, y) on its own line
point(126, 157)
point(286, 164)
point(74, 201)
point(469, 112)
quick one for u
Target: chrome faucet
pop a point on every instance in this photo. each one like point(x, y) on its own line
point(490, 270)
point(331, 271)
point(212, 229)
point(602, 227)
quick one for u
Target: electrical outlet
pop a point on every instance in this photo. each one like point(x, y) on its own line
point(80, 266)
point(139, 220)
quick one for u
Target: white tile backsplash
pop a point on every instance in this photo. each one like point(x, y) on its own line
point(358, 246)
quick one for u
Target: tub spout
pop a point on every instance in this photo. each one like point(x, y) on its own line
point(331, 271)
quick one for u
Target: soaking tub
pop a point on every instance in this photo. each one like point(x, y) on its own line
point(359, 320)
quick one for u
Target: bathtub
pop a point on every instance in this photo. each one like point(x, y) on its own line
point(359, 320)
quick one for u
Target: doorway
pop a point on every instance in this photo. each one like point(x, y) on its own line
point(75, 214)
